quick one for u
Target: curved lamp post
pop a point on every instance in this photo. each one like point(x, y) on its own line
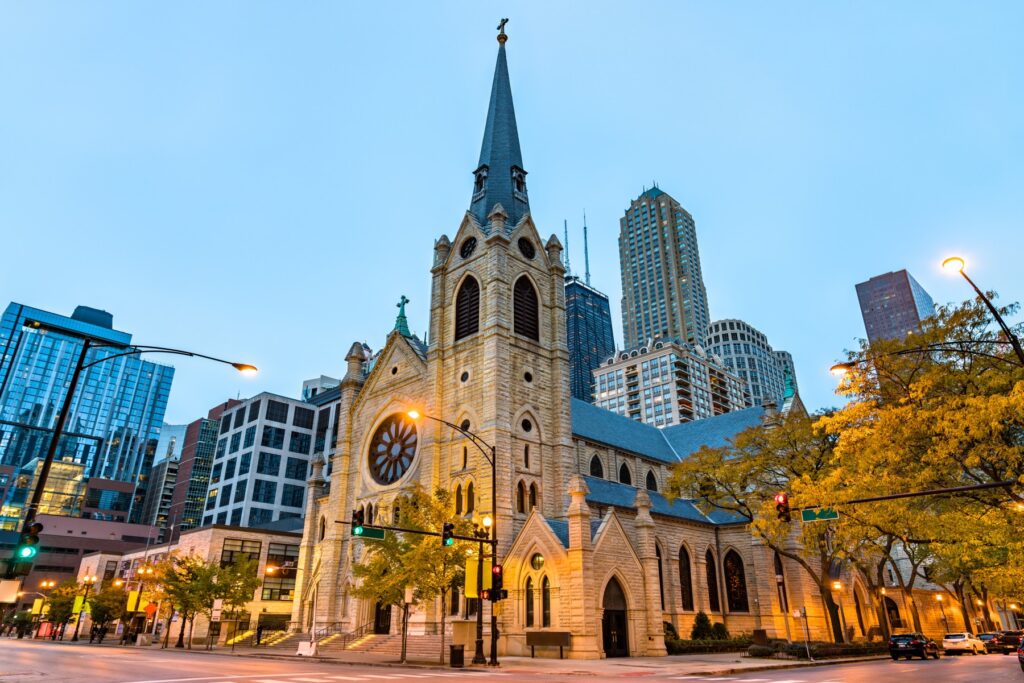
point(490, 454)
point(840, 369)
point(88, 343)
point(956, 264)
point(89, 581)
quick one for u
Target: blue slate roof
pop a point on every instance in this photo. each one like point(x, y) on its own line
point(500, 152)
point(603, 426)
point(715, 431)
point(671, 444)
point(560, 527)
point(604, 492)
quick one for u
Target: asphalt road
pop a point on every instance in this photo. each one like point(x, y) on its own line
point(30, 662)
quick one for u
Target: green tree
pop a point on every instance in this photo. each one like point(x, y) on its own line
point(106, 604)
point(401, 560)
point(61, 602)
point(237, 583)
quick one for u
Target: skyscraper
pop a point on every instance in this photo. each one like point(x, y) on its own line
point(662, 287)
point(588, 322)
point(115, 418)
point(747, 353)
point(893, 305)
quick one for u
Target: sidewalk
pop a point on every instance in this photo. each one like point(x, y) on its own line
point(676, 665)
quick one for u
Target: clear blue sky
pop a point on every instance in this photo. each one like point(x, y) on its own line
point(263, 180)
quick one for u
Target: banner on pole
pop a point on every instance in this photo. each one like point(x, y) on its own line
point(471, 567)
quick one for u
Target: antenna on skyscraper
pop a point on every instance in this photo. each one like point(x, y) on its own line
point(568, 269)
point(586, 251)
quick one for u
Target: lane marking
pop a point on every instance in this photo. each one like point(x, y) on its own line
point(217, 678)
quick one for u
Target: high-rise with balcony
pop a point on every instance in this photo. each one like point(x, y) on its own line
point(117, 411)
point(662, 287)
point(747, 353)
point(893, 305)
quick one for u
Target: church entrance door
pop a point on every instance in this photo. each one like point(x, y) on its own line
point(614, 626)
point(382, 619)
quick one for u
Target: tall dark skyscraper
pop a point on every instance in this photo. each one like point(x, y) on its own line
point(588, 322)
point(117, 412)
point(893, 305)
point(662, 287)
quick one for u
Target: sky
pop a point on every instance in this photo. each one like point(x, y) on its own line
point(262, 181)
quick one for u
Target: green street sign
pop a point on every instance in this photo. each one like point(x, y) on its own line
point(370, 532)
point(819, 514)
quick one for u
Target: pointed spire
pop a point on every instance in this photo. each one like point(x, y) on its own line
point(499, 177)
point(586, 251)
point(565, 226)
point(401, 323)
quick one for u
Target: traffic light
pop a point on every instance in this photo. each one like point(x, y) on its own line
point(28, 544)
point(358, 516)
point(485, 594)
point(782, 506)
point(497, 578)
point(448, 534)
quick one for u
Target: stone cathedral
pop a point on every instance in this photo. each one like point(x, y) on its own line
point(588, 543)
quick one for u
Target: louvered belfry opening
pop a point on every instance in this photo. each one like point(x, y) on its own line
point(525, 309)
point(467, 308)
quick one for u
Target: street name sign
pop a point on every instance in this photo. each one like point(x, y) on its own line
point(370, 532)
point(819, 514)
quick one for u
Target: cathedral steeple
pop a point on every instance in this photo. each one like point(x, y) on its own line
point(499, 177)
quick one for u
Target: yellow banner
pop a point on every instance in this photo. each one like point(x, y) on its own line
point(133, 601)
point(78, 604)
point(471, 567)
point(37, 606)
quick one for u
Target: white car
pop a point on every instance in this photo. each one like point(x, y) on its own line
point(962, 642)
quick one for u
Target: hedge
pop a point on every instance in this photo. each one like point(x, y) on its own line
point(685, 647)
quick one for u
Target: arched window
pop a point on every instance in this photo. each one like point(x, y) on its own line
point(467, 308)
point(526, 456)
point(712, 578)
point(323, 527)
point(685, 580)
point(661, 576)
point(458, 499)
point(780, 581)
point(521, 497)
point(652, 482)
point(533, 496)
point(369, 513)
point(454, 600)
point(529, 602)
point(624, 475)
point(465, 457)
point(735, 582)
point(596, 468)
point(470, 502)
point(545, 602)
point(525, 309)
point(396, 514)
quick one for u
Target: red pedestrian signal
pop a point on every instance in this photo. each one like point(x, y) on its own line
point(782, 506)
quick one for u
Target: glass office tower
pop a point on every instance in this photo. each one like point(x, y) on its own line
point(588, 322)
point(115, 418)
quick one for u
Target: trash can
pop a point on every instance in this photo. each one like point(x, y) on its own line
point(457, 656)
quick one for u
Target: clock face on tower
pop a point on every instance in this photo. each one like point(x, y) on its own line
point(392, 449)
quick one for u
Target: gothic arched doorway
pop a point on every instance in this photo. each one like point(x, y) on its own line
point(894, 613)
point(613, 625)
point(381, 619)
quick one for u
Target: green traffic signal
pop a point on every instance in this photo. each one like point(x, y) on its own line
point(449, 541)
point(357, 531)
point(27, 552)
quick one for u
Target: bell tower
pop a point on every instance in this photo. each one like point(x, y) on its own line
point(498, 357)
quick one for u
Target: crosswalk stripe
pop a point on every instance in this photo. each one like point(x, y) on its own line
point(347, 678)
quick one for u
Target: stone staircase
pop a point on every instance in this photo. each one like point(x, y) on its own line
point(418, 647)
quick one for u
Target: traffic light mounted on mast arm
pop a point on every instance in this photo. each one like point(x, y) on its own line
point(447, 534)
point(358, 518)
point(497, 580)
point(782, 506)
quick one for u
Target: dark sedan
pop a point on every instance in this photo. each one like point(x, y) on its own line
point(992, 642)
point(912, 645)
point(1010, 641)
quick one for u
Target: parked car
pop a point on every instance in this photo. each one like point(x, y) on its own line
point(912, 645)
point(1010, 641)
point(992, 642)
point(963, 642)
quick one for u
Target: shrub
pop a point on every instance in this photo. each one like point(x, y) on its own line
point(760, 651)
point(702, 629)
point(685, 647)
point(719, 631)
point(670, 630)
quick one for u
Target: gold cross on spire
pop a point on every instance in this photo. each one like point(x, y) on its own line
point(501, 30)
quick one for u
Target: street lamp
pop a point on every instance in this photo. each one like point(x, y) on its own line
point(939, 599)
point(88, 581)
point(955, 264)
point(491, 456)
point(837, 586)
point(88, 343)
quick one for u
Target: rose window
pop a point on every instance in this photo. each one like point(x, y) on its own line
point(392, 449)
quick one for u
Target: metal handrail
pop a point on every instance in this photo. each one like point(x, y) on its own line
point(356, 634)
